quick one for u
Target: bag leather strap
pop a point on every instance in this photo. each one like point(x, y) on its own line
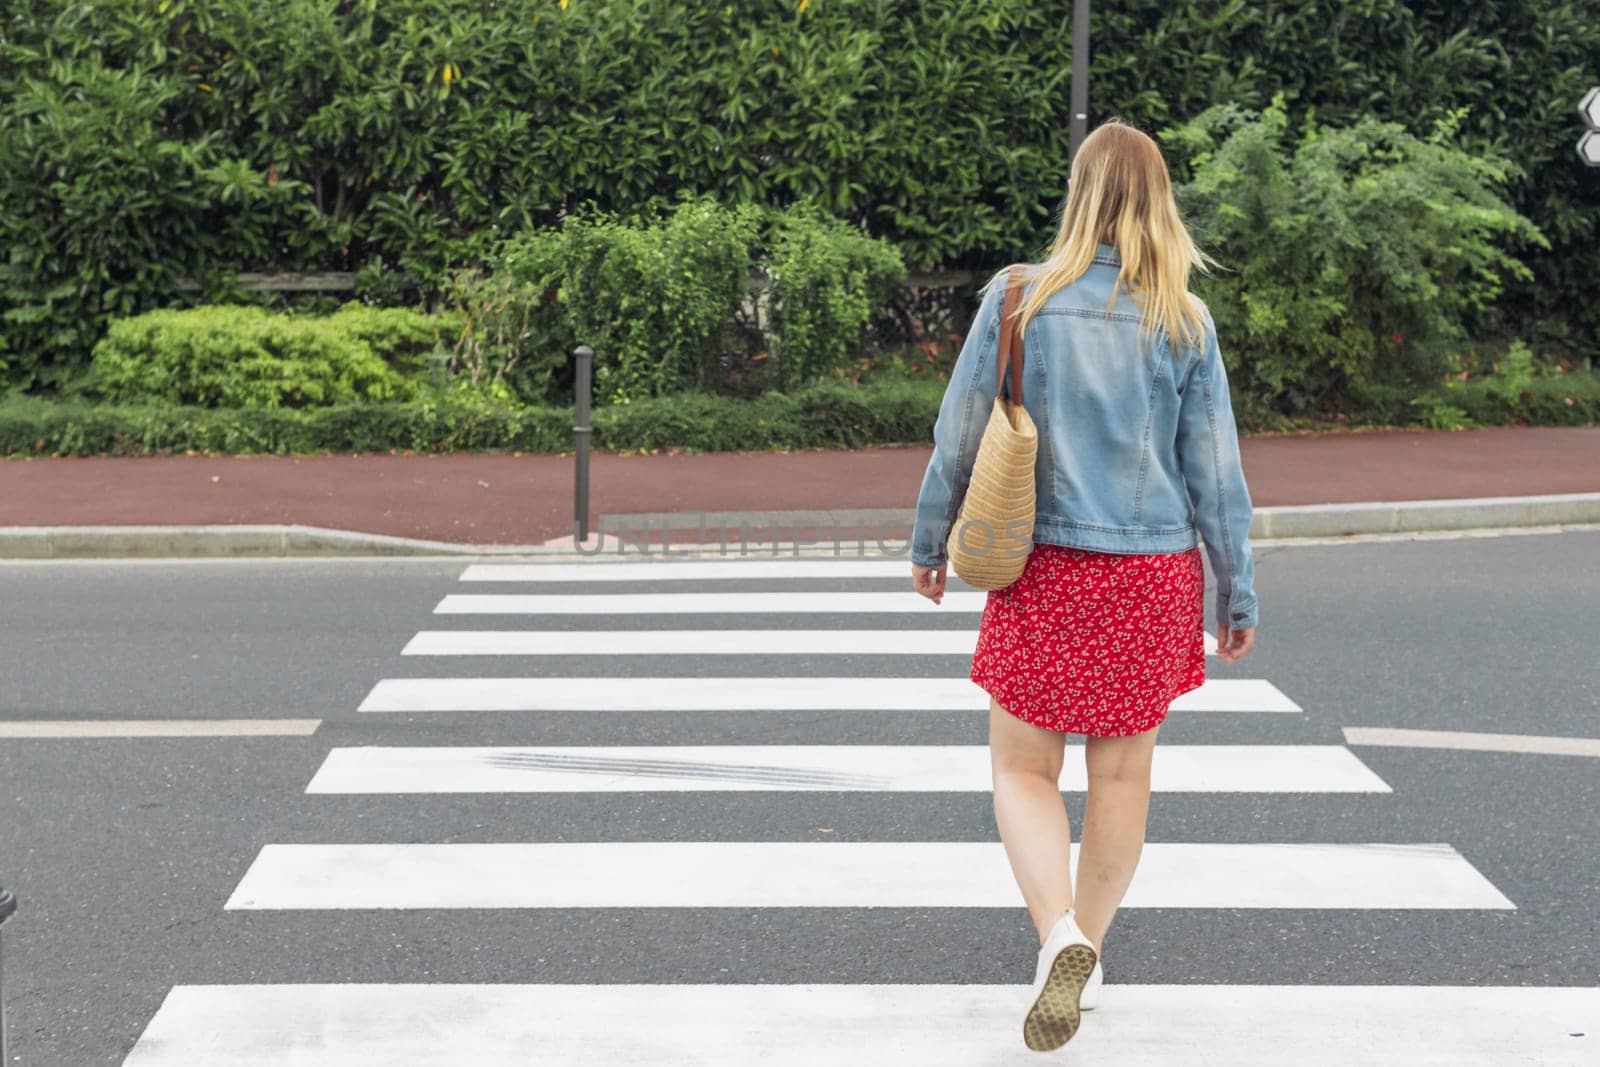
point(1010, 336)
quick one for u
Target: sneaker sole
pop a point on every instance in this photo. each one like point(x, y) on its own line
point(1055, 1015)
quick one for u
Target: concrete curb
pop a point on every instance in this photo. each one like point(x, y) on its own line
point(80, 542)
point(1417, 516)
point(1270, 524)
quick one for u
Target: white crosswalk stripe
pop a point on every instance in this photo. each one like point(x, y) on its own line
point(691, 642)
point(798, 768)
point(753, 694)
point(866, 1022)
point(756, 603)
point(839, 874)
point(657, 569)
point(768, 603)
point(743, 642)
point(860, 1026)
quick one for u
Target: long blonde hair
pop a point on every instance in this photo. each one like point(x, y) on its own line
point(1120, 194)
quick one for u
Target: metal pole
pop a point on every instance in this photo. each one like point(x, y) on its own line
point(1078, 128)
point(8, 904)
point(581, 432)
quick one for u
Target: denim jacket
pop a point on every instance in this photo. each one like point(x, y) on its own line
point(1138, 450)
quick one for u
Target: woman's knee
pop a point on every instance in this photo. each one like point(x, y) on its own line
point(1120, 760)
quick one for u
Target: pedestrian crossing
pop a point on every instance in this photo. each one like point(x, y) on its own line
point(565, 643)
point(838, 874)
point(577, 664)
point(393, 1025)
point(801, 768)
point(601, 694)
point(731, 603)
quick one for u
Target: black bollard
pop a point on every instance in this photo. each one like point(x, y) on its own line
point(8, 904)
point(581, 432)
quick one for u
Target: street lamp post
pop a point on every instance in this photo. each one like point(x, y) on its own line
point(1078, 128)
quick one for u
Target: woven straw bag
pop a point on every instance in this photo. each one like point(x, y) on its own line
point(993, 534)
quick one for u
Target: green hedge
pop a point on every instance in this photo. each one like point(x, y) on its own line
point(248, 357)
point(145, 141)
point(830, 415)
point(1560, 400)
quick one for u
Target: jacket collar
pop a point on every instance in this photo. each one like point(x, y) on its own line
point(1107, 255)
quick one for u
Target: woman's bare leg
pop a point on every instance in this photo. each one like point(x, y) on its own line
point(1031, 814)
point(1113, 826)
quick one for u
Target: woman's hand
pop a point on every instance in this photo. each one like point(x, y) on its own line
point(1233, 645)
point(929, 581)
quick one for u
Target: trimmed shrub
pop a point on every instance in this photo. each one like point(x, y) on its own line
point(827, 415)
point(247, 357)
point(35, 426)
point(403, 338)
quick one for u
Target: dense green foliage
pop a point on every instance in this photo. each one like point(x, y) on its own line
point(1354, 260)
point(144, 140)
point(247, 357)
point(826, 415)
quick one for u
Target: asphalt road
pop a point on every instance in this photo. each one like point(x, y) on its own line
point(123, 851)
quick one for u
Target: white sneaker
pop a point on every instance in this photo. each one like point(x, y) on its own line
point(1089, 999)
point(1066, 961)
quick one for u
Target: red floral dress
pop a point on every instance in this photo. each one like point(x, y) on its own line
point(1094, 643)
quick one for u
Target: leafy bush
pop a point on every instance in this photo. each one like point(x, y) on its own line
point(508, 344)
point(249, 357)
point(827, 281)
point(655, 299)
point(664, 302)
point(1357, 257)
point(1512, 374)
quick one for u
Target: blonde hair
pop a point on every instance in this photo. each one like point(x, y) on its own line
point(1120, 194)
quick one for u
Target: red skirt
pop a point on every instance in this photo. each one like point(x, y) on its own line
point(1094, 643)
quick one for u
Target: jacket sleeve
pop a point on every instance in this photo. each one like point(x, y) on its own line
point(1208, 454)
point(963, 414)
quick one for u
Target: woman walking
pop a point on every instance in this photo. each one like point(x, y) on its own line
point(1138, 452)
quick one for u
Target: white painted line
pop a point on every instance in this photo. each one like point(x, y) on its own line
point(1474, 742)
point(700, 643)
point(691, 642)
point(91, 728)
point(753, 694)
point(770, 602)
point(806, 768)
point(842, 874)
point(862, 1026)
point(656, 569)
